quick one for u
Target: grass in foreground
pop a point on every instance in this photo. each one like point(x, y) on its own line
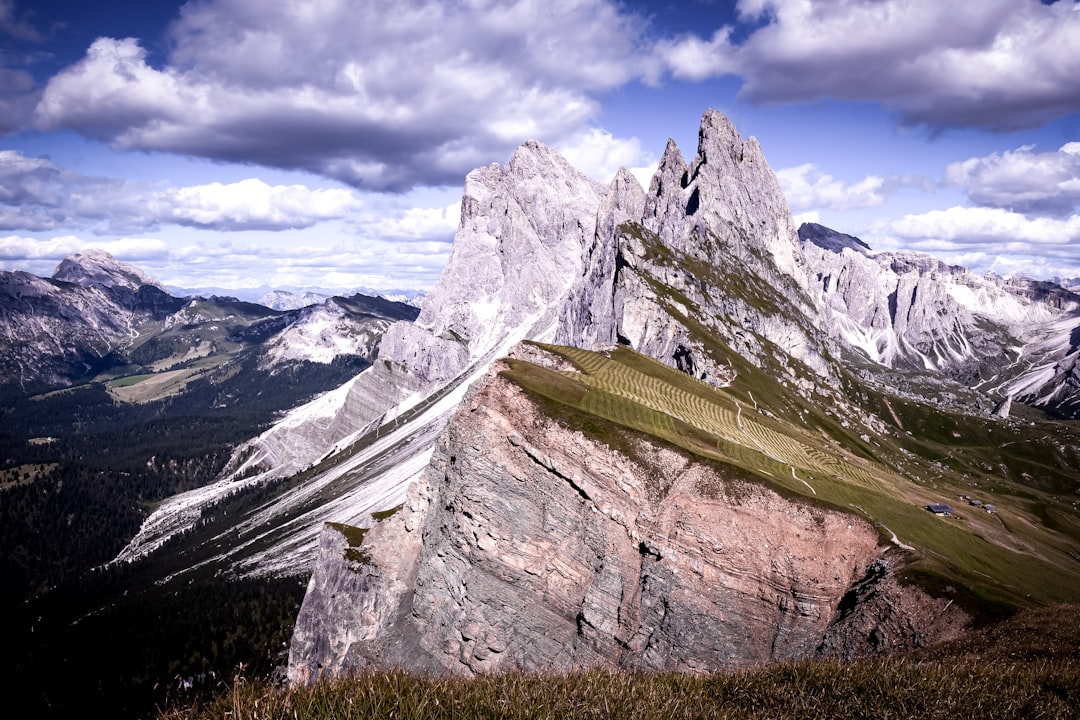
point(1026, 667)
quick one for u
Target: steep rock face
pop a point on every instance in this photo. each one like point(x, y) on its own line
point(58, 331)
point(711, 251)
point(523, 233)
point(529, 545)
point(97, 267)
point(907, 310)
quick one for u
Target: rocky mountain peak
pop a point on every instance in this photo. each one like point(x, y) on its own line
point(716, 231)
point(830, 239)
point(524, 230)
point(97, 267)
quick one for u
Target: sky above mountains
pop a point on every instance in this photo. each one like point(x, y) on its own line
point(324, 143)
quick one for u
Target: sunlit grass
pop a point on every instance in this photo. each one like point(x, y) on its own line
point(1024, 668)
point(621, 391)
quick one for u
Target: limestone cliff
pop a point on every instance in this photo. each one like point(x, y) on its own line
point(908, 310)
point(523, 234)
point(708, 252)
point(528, 544)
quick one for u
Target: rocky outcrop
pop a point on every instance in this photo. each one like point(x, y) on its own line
point(910, 311)
point(708, 252)
point(97, 267)
point(530, 545)
point(523, 234)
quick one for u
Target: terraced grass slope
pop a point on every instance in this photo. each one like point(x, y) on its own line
point(884, 459)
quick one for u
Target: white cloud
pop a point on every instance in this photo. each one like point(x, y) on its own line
point(391, 96)
point(691, 58)
point(986, 240)
point(811, 216)
point(1000, 64)
point(1022, 180)
point(806, 188)
point(424, 224)
point(41, 255)
point(988, 232)
point(599, 154)
point(37, 195)
point(253, 203)
point(295, 260)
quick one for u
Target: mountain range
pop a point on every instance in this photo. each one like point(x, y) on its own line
point(646, 428)
point(100, 319)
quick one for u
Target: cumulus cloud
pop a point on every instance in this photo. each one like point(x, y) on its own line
point(999, 64)
point(253, 204)
point(37, 195)
point(1022, 180)
point(806, 188)
point(391, 96)
point(19, 251)
point(296, 261)
point(992, 230)
point(599, 154)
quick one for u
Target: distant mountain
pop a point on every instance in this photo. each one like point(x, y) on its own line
point(285, 300)
point(99, 319)
point(657, 429)
point(1014, 338)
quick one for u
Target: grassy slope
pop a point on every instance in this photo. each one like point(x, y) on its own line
point(1019, 556)
point(1023, 668)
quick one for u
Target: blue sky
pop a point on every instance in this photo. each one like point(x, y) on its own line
point(323, 143)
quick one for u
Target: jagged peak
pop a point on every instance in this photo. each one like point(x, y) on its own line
point(533, 157)
point(830, 239)
point(94, 266)
point(672, 166)
point(625, 179)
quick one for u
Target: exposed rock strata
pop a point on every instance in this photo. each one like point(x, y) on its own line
point(709, 250)
point(908, 310)
point(528, 545)
point(520, 245)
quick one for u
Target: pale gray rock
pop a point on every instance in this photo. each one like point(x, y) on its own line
point(285, 300)
point(713, 253)
point(97, 267)
point(591, 313)
point(529, 546)
point(523, 232)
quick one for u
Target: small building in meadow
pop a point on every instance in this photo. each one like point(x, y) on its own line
point(941, 509)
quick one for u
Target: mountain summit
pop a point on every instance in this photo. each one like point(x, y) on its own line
point(724, 458)
point(97, 267)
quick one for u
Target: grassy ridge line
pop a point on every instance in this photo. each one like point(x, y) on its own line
point(1023, 668)
point(665, 404)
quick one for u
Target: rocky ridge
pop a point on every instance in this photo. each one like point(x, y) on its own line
point(1006, 338)
point(529, 545)
point(709, 251)
point(520, 244)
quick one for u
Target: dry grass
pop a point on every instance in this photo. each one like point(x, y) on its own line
point(1026, 667)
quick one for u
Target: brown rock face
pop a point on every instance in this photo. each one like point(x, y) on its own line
point(529, 545)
